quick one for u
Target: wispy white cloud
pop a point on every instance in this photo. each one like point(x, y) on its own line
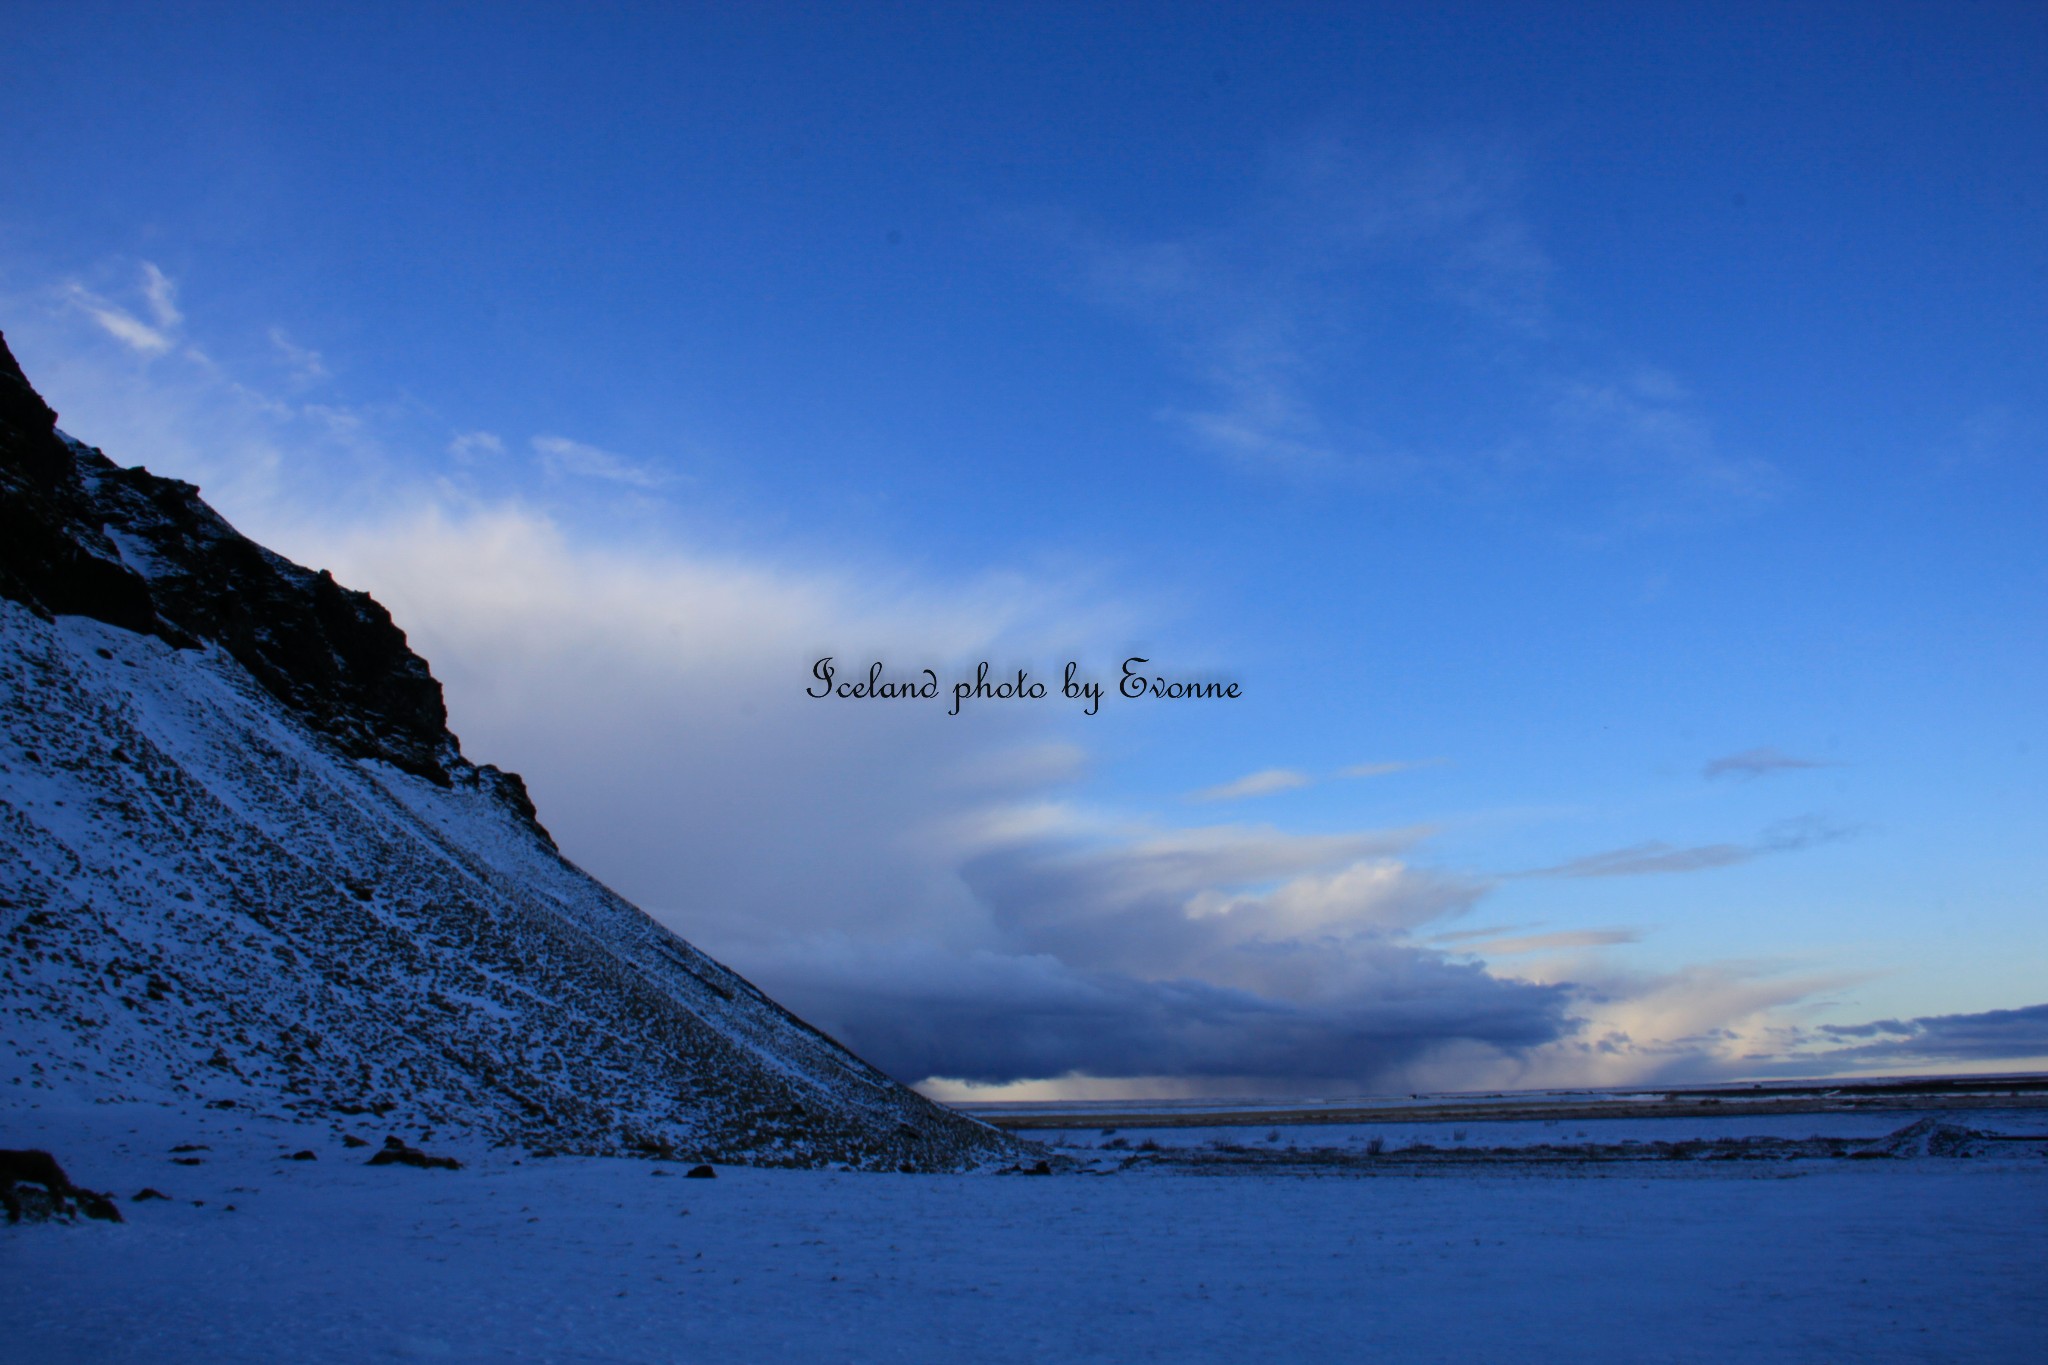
point(1234, 328)
point(1517, 946)
point(1263, 783)
point(1993, 437)
point(158, 296)
point(1264, 310)
point(1655, 857)
point(1467, 935)
point(1390, 767)
point(306, 366)
point(1274, 313)
point(1263, 424)
point(471, 446)
point(117, 322)
point(1268, 781)
point(1760, 763)
point(1448, 206)
point(1650, 858)
point(1643, 429)
point(561, 456)
point(162, 295)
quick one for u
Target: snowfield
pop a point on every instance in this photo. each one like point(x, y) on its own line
point(259, 1258)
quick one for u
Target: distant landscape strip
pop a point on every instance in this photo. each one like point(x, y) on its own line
point(1732, 1106)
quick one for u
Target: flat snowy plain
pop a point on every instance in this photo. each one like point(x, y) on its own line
point(516, 1258)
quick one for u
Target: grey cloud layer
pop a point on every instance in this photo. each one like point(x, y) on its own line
point(992, 1018)
point(1221, 953)
point(1655, 856)
point(1993, 1035)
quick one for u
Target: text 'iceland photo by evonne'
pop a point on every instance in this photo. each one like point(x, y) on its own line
point(831, 682)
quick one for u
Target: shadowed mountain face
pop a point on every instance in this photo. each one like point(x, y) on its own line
point(243, 862)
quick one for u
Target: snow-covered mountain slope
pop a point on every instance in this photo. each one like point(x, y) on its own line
point(243, 863)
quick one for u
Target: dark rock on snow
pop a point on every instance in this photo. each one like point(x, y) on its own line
point(57, 1197)
point(397, 1153)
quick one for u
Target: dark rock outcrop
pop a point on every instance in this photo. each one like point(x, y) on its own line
point(54, 556)
point(80, 536)
point(58, 1196)
point(395, 1152)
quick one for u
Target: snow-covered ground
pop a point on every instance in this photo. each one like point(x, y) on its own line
point(515, 1258)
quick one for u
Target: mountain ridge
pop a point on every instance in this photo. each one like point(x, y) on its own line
point(246, 864)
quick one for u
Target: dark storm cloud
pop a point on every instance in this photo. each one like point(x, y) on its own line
point(1994, 1035)
point(1223, 953)
point(993, 1018)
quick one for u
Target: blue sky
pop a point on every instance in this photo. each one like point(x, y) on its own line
point(1606, 444)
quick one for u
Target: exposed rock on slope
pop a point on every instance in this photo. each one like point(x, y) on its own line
point(243, 862)
point(123, 546)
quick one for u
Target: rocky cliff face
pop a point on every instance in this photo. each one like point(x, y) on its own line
point(244, 863)
point(81, 536)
